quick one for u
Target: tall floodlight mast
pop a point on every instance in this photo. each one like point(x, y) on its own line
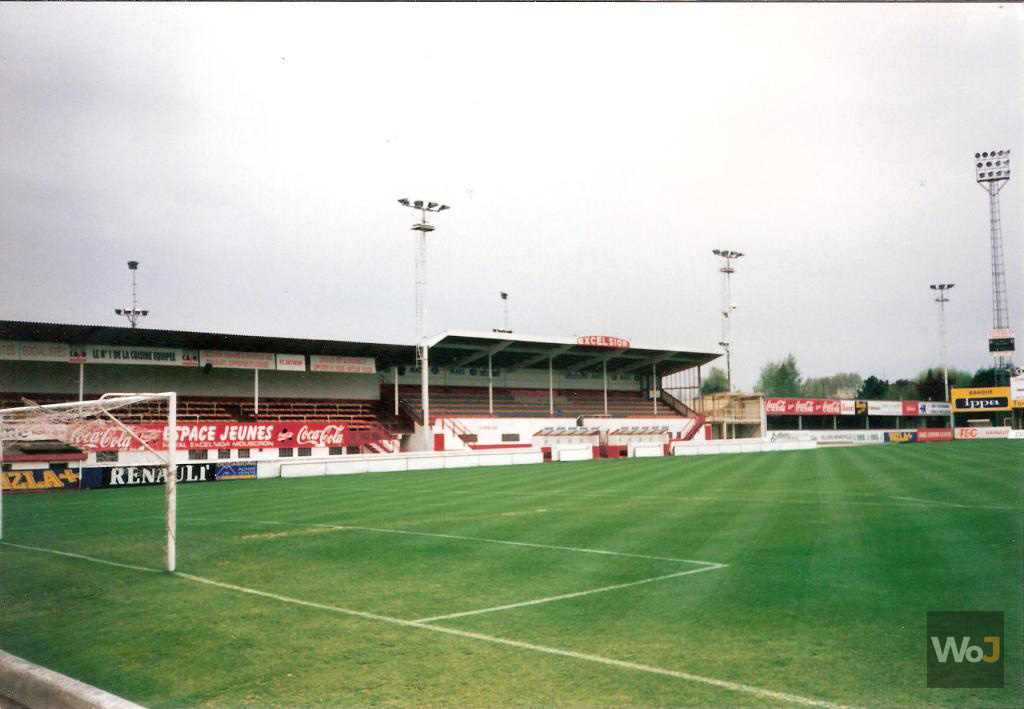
point(133, 313)
point(421, 255)
point(941, 288)
point(992, 172)
point(728, 256)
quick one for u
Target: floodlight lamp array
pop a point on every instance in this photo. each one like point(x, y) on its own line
point(992, 165)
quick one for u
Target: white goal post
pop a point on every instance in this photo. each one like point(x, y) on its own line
point(37, 422)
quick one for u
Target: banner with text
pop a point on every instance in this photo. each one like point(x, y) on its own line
point(981, 399)
point(342, 365)
point(223, 359)
point(972, 434)
point(99, 436)
point(242, 470)
point(934, 435)
point(803, 407)
point(885, 408)
point(133, 475)
point(38, 480)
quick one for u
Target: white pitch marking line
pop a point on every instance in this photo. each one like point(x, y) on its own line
point(734, 686)
point(343, 527)
point(927, 502)
point(529, 544)
point(82, 556)
point(549, 599)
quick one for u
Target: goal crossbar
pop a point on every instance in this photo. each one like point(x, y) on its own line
point(23, 423)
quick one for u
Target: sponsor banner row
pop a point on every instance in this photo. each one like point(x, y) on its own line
point(172, 357)
point(845, 407)
point(921, 435)
point(123, 476)
point(99, 436)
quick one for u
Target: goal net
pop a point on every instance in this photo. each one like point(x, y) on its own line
point(78, 423)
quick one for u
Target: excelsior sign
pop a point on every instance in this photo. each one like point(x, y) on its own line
point(602, 341)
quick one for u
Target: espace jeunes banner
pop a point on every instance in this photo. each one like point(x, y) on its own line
point(277, 434)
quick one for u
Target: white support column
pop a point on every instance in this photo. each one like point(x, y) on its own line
point(764, 418)
point(172, 480)
point(81, 381)
point(490, 385)
point(654, 387)
point(551, 387)
point(256, 391)
point(425, 387)
point(394, 371)
point(604, 372)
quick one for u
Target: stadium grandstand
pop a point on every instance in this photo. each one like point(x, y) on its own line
point(478, 391)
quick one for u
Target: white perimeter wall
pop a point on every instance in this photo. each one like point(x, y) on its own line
point(60, 378)
point(490, 430)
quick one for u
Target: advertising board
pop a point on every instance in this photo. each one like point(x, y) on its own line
point(982, 432)
point(802, 407)
point(99, 436)
point(38, 480)
point(970, 399)
point(885, 408)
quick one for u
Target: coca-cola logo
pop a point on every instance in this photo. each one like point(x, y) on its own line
point(331, 435)
point(775, 406)
point(805, 407)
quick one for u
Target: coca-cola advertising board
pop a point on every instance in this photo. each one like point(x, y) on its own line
point(98, 436)
point(803, 407)
point(910, 408)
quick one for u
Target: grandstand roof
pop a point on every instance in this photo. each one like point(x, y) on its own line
point(452, 348)
point(510, 351)
point(385, 354)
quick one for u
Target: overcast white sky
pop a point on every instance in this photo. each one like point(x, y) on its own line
point(250, 157)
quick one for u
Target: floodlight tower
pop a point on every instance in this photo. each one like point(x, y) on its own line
point(421, 254)
point(133, 313)
point(941, 289)
point(992, 172)
point(728, 256)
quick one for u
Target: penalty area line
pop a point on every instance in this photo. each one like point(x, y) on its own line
point(563, 596)
point(760, 692)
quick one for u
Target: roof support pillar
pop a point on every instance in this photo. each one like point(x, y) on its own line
point(256, 392)
point(490, 385)
point(394, 373)
point(604, 376)
point(551, 387)
point(425, 388)
point(81, 382)
point(654, 386)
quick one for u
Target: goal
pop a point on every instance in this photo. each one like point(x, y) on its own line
point(70, 422)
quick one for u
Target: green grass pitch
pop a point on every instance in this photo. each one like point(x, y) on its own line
point(744, 580)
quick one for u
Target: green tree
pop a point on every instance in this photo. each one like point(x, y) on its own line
point(715, 382)
point(990, 377)
point(903, 389)
point(780, 378)
point(874, 388)
point(836, 386)
point(930, 386)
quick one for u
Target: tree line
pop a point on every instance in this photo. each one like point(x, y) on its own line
point(782, 378)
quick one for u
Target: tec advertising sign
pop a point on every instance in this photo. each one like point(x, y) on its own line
point(981, 399)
